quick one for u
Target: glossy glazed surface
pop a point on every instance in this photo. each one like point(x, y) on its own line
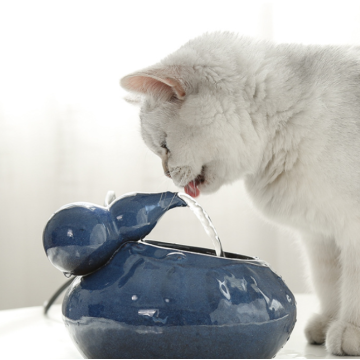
point(81, 237)
point(154, 302)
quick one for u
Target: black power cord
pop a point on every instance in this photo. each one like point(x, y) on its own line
point(47, 304)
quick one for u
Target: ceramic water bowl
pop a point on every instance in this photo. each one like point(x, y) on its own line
point(147, 299)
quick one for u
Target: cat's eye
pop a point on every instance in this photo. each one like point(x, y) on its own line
point(174, 98)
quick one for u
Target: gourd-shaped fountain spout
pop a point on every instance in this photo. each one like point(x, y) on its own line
point(81, 237)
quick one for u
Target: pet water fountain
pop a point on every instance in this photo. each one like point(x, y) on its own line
point(133, 298)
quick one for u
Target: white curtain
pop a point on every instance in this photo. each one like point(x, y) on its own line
point(66, 134)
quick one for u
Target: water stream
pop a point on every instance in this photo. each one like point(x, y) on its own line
point(204, 218)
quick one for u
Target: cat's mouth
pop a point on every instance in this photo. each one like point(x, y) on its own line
point(192, 188)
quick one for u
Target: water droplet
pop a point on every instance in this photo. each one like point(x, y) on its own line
point(167, 300)
point(67, 274)
point(288, 298)
point(134, 298)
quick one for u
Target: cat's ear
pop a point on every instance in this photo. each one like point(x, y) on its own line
point(159, 82)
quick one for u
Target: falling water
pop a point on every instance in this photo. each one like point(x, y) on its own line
point(205, 222)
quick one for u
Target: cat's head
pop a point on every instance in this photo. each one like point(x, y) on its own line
point(195, 118)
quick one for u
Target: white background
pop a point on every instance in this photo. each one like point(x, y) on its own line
point(66, 134)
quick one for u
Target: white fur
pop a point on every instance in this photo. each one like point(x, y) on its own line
point(286, 118)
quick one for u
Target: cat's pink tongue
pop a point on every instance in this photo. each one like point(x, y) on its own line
point(192, 189)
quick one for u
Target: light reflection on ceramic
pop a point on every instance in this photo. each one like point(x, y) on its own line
point(81, 237)
point(158, 300)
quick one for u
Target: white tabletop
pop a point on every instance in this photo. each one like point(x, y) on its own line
point(27, 333)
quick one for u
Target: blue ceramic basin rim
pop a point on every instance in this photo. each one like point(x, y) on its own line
point(205, 252)
point(187, 249)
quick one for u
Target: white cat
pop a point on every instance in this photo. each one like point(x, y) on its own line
point(286, 118)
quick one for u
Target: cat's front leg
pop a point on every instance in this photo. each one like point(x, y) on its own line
point(323, 255)
point(343, 336)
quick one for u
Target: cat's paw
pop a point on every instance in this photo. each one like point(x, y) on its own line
point(316, 328)
point(343, 339)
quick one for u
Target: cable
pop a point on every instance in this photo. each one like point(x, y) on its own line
point(47, 304)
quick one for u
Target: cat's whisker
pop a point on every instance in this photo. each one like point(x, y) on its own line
point(161, 197)
point(163, 182)
point(182, 179)
point(171, 202)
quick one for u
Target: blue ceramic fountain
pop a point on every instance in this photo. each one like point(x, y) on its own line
point(146, 299)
